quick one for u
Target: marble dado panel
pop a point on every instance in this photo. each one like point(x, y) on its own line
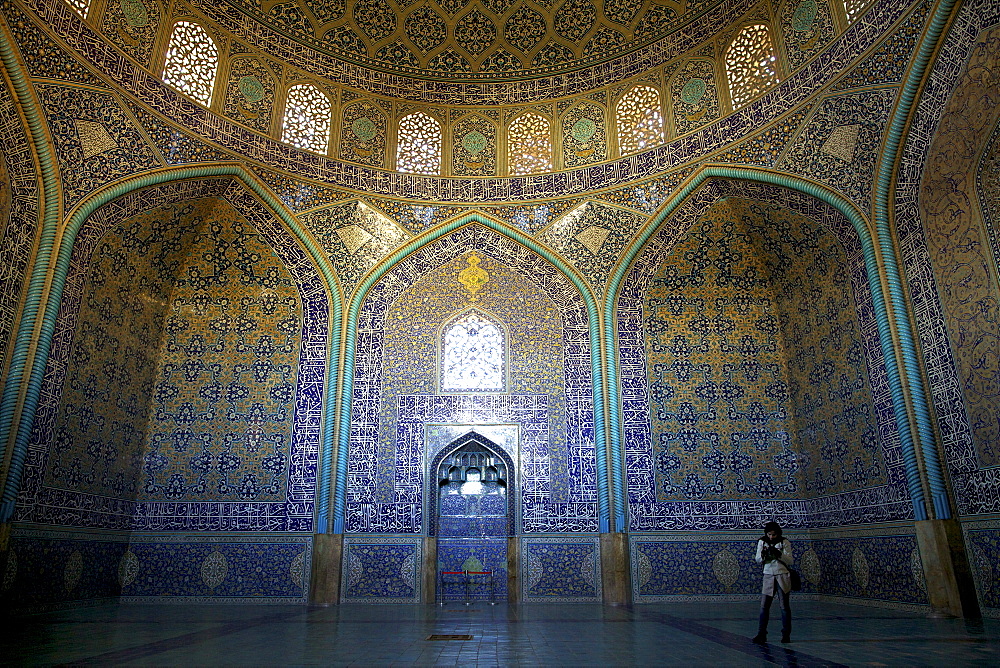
point(885, 499)
point(564, 569)
point(472, 555)
point(796, 89)
point(70, 504)
point(381, 569)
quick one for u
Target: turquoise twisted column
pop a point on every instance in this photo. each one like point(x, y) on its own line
point(887, 244)
point(60, 271)
point(885, 330)
point(350, 343)
point(36, 285)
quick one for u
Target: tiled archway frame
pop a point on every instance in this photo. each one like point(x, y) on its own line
point(887, 326)
point(587, 511)
point(883, 503)
point(976, 489)
point(38, 503)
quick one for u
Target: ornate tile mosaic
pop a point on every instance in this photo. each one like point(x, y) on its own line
point(300, 195)
point(355, 237)
point(881, 501)
point(839, 144)
point(415, 217)
point(46, 568)
point(530, 218)
point(42, 56)
point(176, 147)
point(474, 148)
point(132, 26)
point(591, 237)
point(250, 93)
point(381, 570)
point(362, 134)
point(561, 570)
point(199, 569)
point(982, 540)
point(807, 26)
point(887, 63)
point(584, 138)
point(549, 384)
point(95, 142)
point(766, 148)
point(198, 508)
point(694, 97)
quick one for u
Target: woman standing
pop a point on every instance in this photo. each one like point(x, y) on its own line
point(775, 553)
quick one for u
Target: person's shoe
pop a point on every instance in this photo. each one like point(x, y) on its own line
point(786, 638)
point(759, 639)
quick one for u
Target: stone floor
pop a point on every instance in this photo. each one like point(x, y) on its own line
point(690, 634)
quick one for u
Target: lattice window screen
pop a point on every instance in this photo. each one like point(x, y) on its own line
point(192, 59)
point(639, 121)
point(307, 118)
point(419, 147)
point(529, 145)
point(82, 7)
point(750, 64)
point(855, 8)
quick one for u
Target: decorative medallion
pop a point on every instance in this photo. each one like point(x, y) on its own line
point(10, 570)
point(917, 569)
point(473, 564)
point(804, 16)
point(214, 569)
point(473, 277)
point(73, 570)
point(128, 568)
point(408, 570)
point(810, 566)
point(251, 88)
point(859, 564)
point(693, 90)
point(474, 142)
point(135, 13)
point(296, 570)
point(363, 128)
point(583, 129)
point(726, 568)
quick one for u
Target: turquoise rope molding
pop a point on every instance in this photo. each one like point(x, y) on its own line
point(350, 340)
point(61, 269)
point(36, 286)
point(894, 279)
point(824, 194)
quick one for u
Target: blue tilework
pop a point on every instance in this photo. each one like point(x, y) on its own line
point(454, 555)
point(705, 566)
point(274, 570)
point(43, 569)
point(381, 570)
point(294, 509)
point(564, 569)
point(983, 543)
point(881, 501)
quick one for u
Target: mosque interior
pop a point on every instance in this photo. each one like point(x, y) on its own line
point(536, 301)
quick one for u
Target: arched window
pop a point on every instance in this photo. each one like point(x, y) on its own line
point(419, 146)
point(472, 354)
point(307, 118)
point(81, 6)
point(750, 64)
point(529, 145)
point(192, 59)
point(639, 121)
point(855, 8)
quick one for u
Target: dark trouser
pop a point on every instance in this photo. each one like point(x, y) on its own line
point(765, 614)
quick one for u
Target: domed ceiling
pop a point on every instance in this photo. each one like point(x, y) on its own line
point(475, 39)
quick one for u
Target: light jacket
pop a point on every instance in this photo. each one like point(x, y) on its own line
point(780, 565)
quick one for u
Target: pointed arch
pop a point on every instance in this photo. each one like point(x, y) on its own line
point(346, 398)
point(60, 268)
point(873, 261)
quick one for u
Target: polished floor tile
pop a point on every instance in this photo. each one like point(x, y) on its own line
point(676, 634)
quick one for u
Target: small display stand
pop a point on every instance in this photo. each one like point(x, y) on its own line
point(468, 580)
